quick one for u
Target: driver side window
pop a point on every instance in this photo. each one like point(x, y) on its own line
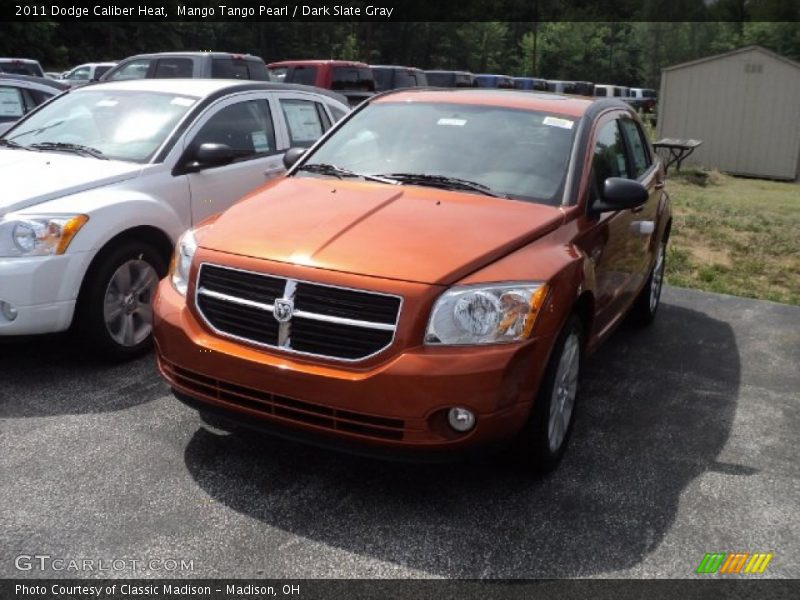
point(246, 127)
point(609, 154)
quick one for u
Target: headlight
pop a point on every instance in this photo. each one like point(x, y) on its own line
point(182, 262)
point(38, 235)
point(485, 314)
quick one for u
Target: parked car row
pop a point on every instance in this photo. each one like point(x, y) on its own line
point(355, 80)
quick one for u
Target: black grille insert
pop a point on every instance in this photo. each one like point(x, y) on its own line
point(328, 321)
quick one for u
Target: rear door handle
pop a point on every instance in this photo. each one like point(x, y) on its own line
point(637, 209)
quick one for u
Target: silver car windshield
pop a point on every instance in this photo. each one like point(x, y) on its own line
point(128, 125)
point(510, 153)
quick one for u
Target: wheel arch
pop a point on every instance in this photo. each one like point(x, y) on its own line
point(149, 234)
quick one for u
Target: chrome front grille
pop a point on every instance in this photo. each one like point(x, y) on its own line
point(323, 320)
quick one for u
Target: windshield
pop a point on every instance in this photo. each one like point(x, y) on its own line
point(511, 153)
point(127, 126)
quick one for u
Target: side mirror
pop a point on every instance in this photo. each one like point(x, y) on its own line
point(209, 155)
point(292, 156)
point(619, 194)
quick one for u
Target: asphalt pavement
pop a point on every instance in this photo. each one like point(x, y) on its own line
point(686, 442)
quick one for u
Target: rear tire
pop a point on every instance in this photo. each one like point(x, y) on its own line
point(543, 441)
point(115, 308)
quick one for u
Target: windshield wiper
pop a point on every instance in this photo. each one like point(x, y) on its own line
point(76, 148)
point(15, 145)
point(444, 182)
point(326, 169)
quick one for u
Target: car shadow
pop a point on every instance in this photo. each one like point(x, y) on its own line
point(657, 408)
point(42, 376)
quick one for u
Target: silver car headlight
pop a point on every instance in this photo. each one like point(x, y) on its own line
point(485, 314)
point(38, 235)
point(182, 261)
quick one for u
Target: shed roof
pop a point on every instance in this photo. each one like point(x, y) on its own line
point(769, 53)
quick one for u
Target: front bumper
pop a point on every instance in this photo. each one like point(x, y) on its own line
point(398, 400)
point(43, 290)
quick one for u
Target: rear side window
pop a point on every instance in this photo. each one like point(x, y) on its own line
point(257, 70)
point(245, 126)
point(136, 69)
point(404, 79)
point(352, 78)
point(302, 75)
point(609, 154)
point(98, 71)
point(303, 121)
point(81, 74)
point(640, 157)
point(337, 112)
point(440, 79)
point(171, 68)
point(12, 106)
point(278, 73)
point(21, 68)
point(36, 97)
point(228, 68)
point(383, 79)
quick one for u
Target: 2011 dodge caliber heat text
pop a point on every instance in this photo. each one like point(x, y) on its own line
point(424, 280)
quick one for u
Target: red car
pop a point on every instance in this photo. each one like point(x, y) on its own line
point(354, 80)
point(427, 278)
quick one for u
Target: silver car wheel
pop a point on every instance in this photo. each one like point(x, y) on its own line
point(658, 279)
point(128, 302)
point(565, 389)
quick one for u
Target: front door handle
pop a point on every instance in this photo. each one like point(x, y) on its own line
point(273, 171)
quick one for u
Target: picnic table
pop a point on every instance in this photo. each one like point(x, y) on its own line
point(678, 150)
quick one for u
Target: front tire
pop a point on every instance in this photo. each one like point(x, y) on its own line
point(115, 309)
point(647, 302)
point(544, 439)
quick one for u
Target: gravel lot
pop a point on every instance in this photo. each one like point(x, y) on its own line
point(686, 443)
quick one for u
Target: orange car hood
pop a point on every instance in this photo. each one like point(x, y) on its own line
point(410, 233)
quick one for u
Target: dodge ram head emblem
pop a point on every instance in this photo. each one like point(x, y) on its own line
point(283, 310)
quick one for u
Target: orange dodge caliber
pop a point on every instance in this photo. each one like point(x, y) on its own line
point(425, 279)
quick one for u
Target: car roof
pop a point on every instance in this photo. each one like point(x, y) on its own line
point(56, 86)
point(395, 67)
point(448, 72)
point(337, 63)
point(94, 64)
point(29, 61)
point(574, 106)
point(192, 53)
point(201, 88)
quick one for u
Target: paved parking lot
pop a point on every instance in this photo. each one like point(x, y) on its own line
point(686, 443)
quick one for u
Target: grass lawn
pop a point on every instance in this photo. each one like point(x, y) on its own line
point(735, 236)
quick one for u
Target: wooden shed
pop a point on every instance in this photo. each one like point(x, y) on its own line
point(745, 107)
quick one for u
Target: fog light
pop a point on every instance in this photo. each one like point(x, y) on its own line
point(9, 312)
point(461, 419)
